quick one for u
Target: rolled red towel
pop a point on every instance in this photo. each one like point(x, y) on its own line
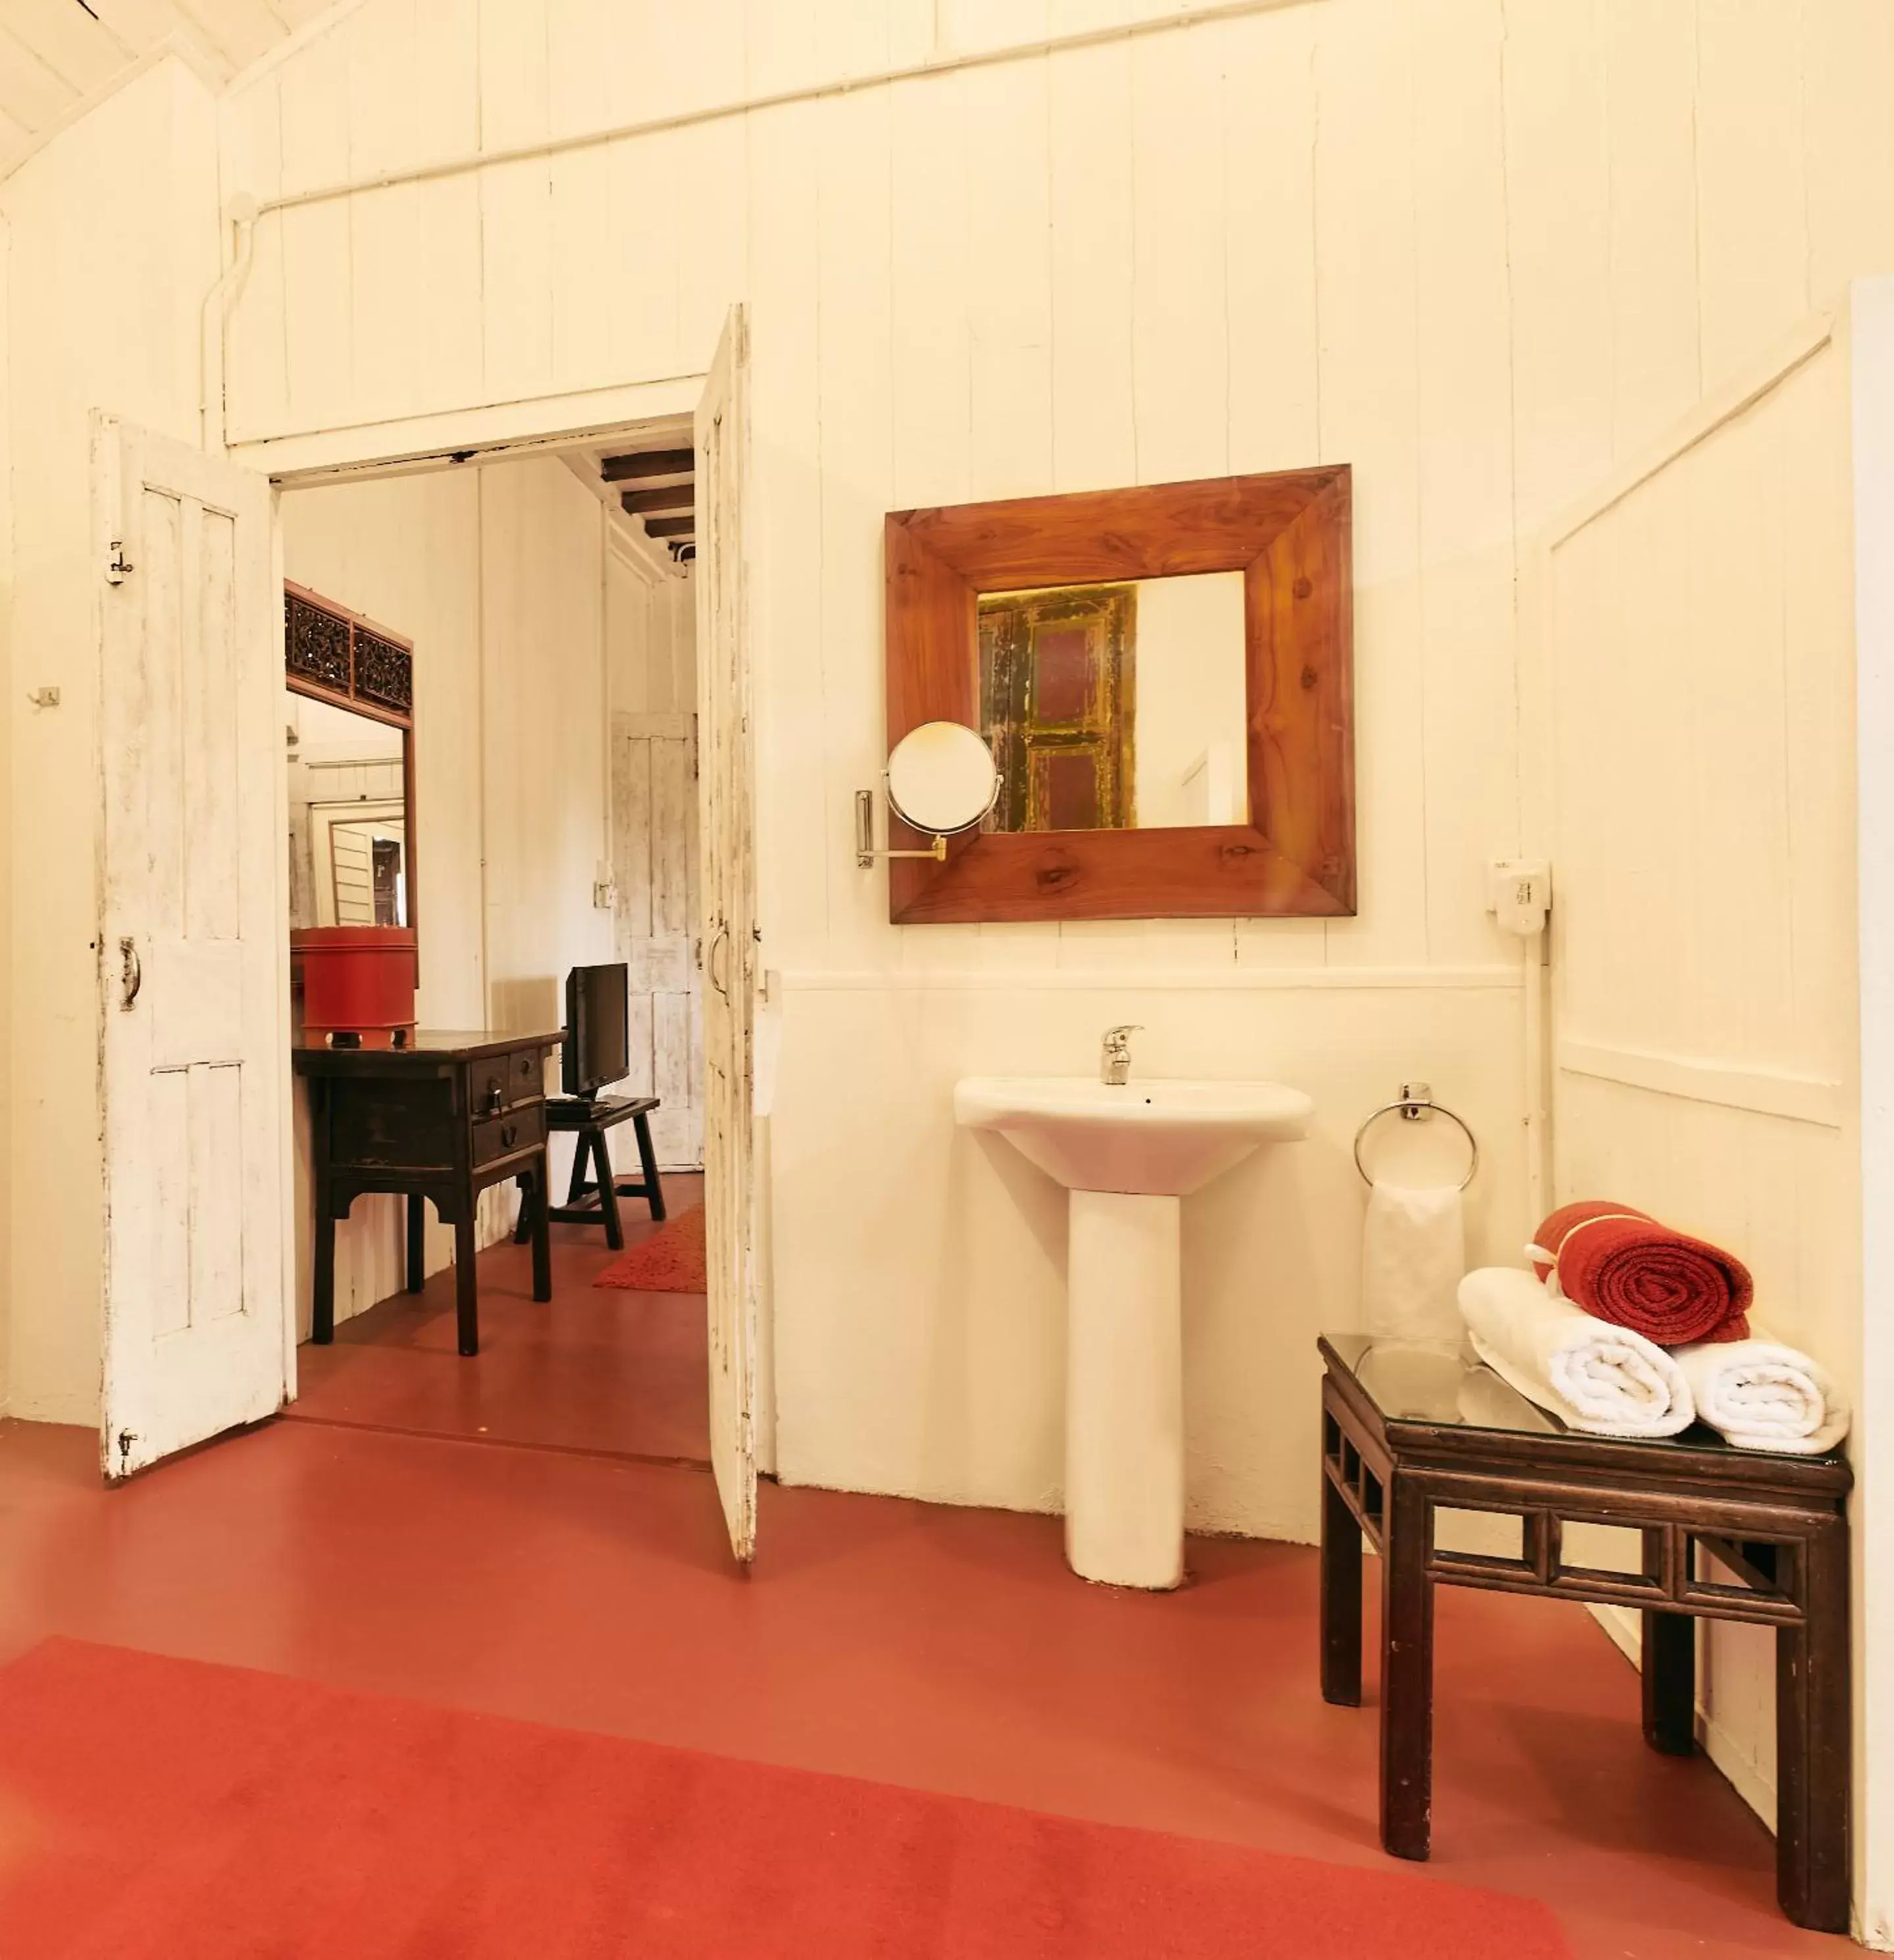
point(1619, 1263)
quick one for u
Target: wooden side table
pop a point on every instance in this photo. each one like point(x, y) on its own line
point(1405, 1432)
point(441, 1118)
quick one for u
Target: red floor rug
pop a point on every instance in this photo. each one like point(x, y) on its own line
point(159, 1809)
point(670, 1260)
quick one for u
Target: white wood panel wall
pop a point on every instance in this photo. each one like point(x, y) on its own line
point(497, 573)
point(1480, 249)
point(1701, 644)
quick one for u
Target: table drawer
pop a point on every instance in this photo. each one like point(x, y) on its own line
point(522, 1129)
point(505, 1081)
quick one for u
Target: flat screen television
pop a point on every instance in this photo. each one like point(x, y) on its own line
point(597, 1050)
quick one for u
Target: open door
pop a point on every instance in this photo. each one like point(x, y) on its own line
point(193, 939)
point(728, 886)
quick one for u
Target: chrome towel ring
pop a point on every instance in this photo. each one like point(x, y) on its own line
point(1414, 1104)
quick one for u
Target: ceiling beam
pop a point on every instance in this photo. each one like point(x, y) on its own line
point(670, 527)
point(649, 462)
point(673, 497)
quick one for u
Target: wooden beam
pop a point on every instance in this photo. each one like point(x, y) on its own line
point(650, 462)
point(670, 527)
point(673, 497)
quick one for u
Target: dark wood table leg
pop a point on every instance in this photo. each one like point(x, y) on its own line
point(417, 1265)
point(607, 1189)
point(466, 1283)
point(1340, 1599)
point(647, 1160)
point(527, 1186)
point(1407, 1674)
point(1813, 1740)
point(542, 1228)
point(1669, 1662)
point(322, 1327)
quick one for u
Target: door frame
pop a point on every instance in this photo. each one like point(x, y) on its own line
point(424, 445)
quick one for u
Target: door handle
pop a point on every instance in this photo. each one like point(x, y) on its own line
point(722, 940)
point(132, 975)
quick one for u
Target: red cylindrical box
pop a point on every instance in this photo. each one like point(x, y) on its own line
point(357, 980)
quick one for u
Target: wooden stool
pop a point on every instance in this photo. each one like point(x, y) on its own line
point(1402, 1438)
point(590, 1200)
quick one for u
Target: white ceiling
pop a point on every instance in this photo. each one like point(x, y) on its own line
point(57, 54)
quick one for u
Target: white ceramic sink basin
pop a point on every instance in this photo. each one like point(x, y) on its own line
point(1157, 1138)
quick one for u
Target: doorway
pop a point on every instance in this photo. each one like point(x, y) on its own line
point(517, 826)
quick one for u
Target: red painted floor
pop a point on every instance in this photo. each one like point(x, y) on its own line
point(594, 1369)
point(537, 1570)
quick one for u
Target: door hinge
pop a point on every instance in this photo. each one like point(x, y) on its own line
point(118, 567)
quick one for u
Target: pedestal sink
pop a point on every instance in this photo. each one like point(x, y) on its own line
point(1128, 1154)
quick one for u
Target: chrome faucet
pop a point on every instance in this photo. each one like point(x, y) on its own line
point(1114, 1061)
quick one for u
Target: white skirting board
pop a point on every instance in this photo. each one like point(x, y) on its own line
point(1625, 1630)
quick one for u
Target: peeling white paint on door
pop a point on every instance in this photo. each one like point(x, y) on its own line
point(731, 963)
point(193, 1057)
point(654, 852)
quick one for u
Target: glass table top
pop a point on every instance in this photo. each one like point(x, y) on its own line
point(1413, 1380)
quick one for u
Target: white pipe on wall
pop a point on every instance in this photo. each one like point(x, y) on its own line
point(559, 146)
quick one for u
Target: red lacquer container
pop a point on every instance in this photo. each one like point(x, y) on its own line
point(359, 984)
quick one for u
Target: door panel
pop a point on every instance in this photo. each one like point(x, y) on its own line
point(193, 939)
point(729, 935)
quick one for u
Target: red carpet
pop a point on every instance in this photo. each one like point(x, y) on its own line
point(670, 1260)
point(152, 1809)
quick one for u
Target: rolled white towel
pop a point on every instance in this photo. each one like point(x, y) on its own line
point(1604, 1379)
point(1763, 1396)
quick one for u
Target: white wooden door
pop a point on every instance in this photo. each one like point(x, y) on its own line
point(728, 885)
point(654, 861)
point(192, 948)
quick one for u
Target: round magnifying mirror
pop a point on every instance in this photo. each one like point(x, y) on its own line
point(941, 778)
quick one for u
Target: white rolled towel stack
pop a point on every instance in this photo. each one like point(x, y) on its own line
point(1763, 1396)
point(1593, 1376)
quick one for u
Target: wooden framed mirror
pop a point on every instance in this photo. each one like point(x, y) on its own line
point(1165, 677)
point(350, 731)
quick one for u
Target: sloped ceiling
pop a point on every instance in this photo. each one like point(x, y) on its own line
point(55, 54)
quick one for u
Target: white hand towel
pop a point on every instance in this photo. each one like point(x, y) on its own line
point(1604, 1379)
point(1413, 1253)
point(1763, 1396)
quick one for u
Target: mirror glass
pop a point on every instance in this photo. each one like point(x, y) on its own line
point(347, 816)
point(1116, 707)
point(941, 778)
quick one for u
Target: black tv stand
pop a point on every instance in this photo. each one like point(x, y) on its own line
point(593, 1201)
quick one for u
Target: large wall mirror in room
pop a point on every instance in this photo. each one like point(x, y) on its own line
point(348, 716)
point(1163, 677)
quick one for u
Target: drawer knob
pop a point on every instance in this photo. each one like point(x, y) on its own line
point(509, 1134)
point(494, 1100)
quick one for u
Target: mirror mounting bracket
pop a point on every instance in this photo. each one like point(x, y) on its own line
point(865, 852)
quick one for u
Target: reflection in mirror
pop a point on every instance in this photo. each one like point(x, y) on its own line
point(1116, 707)
point(347, 816)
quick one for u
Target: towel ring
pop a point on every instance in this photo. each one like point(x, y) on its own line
point(1415, 1103)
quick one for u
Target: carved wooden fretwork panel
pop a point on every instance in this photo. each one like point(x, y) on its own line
point(327, 651)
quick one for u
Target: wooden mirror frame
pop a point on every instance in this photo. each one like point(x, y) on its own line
point(369, 671)
point(1289, 534)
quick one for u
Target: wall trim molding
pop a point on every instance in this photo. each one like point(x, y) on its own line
point(1796, 1099)
point(1139, 979)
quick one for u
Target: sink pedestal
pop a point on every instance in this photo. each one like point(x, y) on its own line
point(1124, 1402)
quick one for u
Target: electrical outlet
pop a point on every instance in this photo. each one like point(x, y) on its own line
point(1519, 894)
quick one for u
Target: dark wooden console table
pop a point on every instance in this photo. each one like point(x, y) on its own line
point(1405, 1434)
point(442, 1119)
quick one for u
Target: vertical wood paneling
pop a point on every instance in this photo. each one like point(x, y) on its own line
point(1753, 237)
point(855, 384)
point(1366, 268)
point(1463, 382)
point(1649, 55)
point(318, 252)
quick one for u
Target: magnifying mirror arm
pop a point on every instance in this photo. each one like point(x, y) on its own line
point(865, 852)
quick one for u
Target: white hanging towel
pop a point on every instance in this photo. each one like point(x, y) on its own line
point(1763, 1396)
point(1593, 1376)
point(1413, 1253)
